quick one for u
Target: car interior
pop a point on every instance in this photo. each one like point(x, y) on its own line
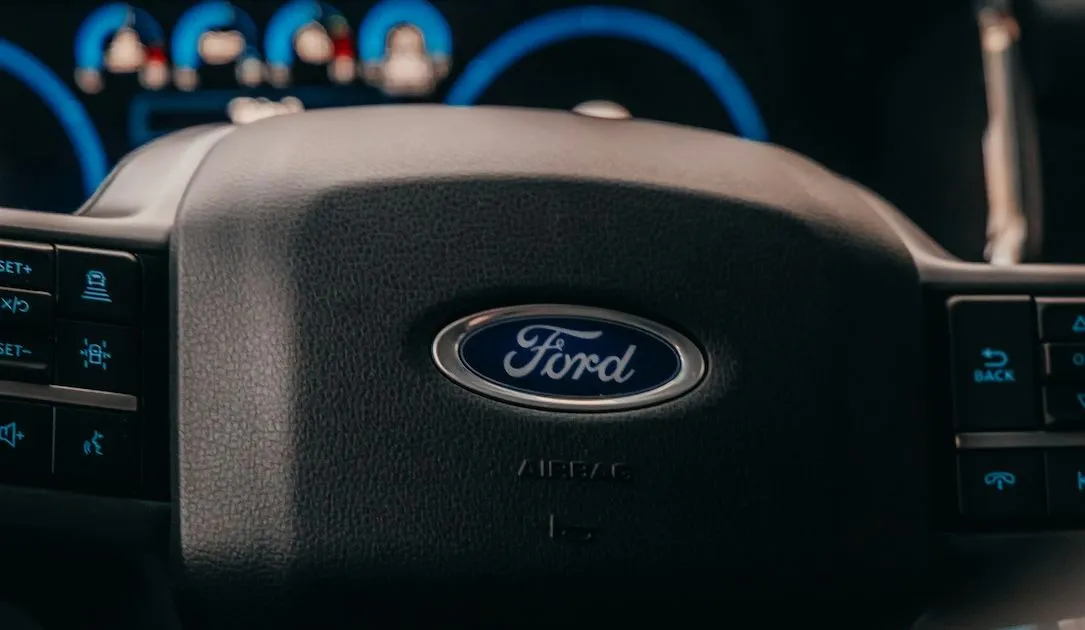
point(542, 313)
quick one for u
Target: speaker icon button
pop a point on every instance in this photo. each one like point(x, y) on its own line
point(26, 442)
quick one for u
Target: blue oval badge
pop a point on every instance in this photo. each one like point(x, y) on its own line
point(572, 358)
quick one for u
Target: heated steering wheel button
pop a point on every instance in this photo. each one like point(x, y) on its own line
point(26, 442)
point(95, 356)
point(1001, 484)
point(26, 265)
point(993, 356)
point(98, 286)
point(95, 448)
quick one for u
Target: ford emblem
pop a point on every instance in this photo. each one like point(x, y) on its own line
point(568, 358)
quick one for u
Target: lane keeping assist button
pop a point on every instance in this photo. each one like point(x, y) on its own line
point(98, 357)
point(994, 382)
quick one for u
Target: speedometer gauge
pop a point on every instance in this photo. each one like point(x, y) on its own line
point(642, 62)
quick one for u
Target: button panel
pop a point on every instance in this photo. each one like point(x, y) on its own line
point(71, 365)
point(1018, 367)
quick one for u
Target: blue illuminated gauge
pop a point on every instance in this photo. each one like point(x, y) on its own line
point(67, 108)
point(119, 38)
point(595, 29)
point(405, 47)
point(215, 34)
point(314, 33)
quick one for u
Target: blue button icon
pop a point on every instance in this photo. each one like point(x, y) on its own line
point(995, 358)
point(1079, 324)
point(95, 289)
point(995, 367)
point(93, 446)
point(1080, 481)
point(95, 355)
point(13, 350)
point(14, 304)
point(1000, 479)
point(10, 435)
point(15, 268)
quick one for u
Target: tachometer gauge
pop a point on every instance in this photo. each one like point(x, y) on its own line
point(639, 61)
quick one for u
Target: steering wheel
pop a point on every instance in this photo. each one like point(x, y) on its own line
point(344, 288)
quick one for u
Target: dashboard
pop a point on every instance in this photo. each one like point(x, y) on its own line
point(84, 83)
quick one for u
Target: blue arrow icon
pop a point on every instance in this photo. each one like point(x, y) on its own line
point(995, 358)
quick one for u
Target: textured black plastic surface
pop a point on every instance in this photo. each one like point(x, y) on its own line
point(322, 455)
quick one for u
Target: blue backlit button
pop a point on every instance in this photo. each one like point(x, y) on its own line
point(97, 356)
point(26, 442)
point(1066, 481)
point(95, 448)
point(993, 363)
point(1064, 406)
point(1061, 319)
point(25, 356)
point(26, 265)
point(1065, 361)
point(25, 309)
point(99, 286)
point(999, 484)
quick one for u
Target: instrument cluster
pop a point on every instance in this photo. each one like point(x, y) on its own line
point(83, 82)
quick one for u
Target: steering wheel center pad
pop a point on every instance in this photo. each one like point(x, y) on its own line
point(315, 257)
